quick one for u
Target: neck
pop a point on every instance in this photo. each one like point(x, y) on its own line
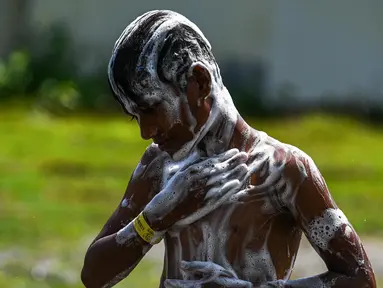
point(227, 129)
point(224, 129)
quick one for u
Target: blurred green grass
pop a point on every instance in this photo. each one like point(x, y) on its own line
point(61, 178)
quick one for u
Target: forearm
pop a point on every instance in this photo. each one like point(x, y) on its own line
point(112, 258)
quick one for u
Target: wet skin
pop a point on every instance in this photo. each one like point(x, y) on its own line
point(251, 239)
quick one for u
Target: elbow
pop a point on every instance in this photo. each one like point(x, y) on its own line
point(86, 277)
point(366, 279)
point(89, 279)
point(370, 282)
point(89, 275)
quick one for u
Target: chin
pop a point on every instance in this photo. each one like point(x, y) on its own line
point(176, 155)
point(169, 150)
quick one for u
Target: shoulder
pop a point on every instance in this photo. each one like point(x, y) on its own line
point(151, 162)
point(146, 178)
point(297, 169)
point(287, 174)
point(152, 152)
point(293, 163)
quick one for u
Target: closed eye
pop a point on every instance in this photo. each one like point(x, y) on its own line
point(132, 117)
point(149, 109)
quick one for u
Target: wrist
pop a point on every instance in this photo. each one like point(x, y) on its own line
point(146, 231)
point(276, 284)
point(155, 222)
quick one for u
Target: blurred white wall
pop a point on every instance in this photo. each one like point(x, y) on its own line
point(334, 46)
point(318, 46)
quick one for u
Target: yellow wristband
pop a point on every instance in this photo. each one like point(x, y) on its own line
point(146, 233)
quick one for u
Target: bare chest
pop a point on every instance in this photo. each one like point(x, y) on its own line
point(239, 238)
point(255, 238)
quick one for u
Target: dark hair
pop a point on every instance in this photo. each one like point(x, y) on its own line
point(180, 47)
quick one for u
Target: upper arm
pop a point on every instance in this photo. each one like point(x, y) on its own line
point(324, 224)
point(142, 187)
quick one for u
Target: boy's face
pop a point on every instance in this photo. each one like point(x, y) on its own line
point(169, 117)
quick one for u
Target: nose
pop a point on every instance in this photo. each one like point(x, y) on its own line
point(148, 129)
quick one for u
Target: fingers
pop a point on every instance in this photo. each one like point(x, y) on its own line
point(221, 281)
point(214, 197)
point(207, 273)
point(274, 284)
point(222, 157)
point(217, 164)
point(241, 157)
point(232, 283)
point(197, 266)
point(229, 164)
point(226, 156)
point(218, 173)
point(196, 269)
point(218, 190)
point(228, 190)
point(207, 268)
point(237, 172)
point(194, 159)
point(176, 283)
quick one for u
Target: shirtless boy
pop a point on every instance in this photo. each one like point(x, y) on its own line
point(229, 201)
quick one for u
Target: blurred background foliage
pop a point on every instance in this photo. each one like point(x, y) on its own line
point(45, 73)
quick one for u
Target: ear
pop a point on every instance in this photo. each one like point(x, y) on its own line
point(198, 89)
point(199, 74)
